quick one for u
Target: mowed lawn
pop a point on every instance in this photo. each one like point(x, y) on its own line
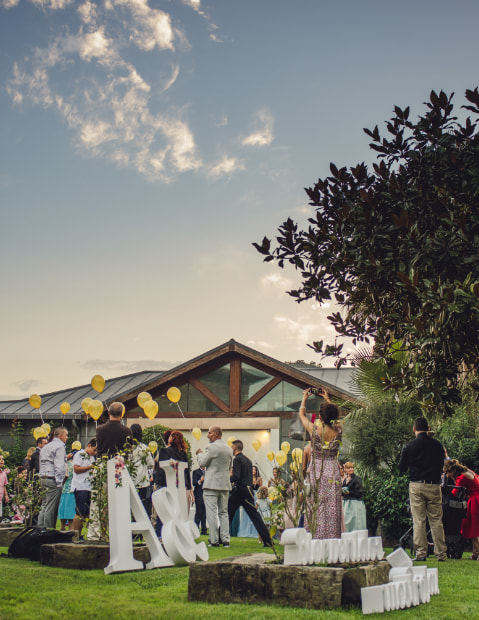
point(29, 590)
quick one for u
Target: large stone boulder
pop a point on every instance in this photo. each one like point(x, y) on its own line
point(84, 555)
point(256, 579)
point(8, 535)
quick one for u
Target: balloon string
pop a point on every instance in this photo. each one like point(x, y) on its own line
point(40, 412)
point(178, 405)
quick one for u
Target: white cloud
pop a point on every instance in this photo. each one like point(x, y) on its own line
point(300, 331)
point(223, 122)
point(52, 4)
point(174, 75)
point(87, 12)
point(259, 344)
point(263, 134)
point(109, 107)
point(90, 78)
point(276, 281)
point(227, 165)
point(147, 28)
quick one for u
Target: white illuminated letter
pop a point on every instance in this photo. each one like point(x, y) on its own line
point(123, 500)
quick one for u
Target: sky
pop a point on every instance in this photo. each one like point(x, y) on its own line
point(145, 145)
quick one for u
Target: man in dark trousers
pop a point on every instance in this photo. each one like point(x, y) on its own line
point(242, 493)
point(424, 458)
point(200, 510)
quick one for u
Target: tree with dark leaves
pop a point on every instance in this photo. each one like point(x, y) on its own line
point(397, 248)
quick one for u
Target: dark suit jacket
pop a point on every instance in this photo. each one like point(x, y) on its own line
point(112, 437)
point(197, 485)
point(35, 463)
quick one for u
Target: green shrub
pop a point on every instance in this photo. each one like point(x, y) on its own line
point(376, 434)
point(386, 499)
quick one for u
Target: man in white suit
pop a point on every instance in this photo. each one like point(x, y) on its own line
point(217, 459)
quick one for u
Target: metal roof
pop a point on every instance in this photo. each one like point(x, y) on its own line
point(114, 388)
point(336, 379)
point(340, 378)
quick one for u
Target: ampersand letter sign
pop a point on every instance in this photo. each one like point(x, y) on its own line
point(178, 533)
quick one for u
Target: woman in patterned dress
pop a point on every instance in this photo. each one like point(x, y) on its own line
point(324, 509)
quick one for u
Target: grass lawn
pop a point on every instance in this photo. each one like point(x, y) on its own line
point(29, 590)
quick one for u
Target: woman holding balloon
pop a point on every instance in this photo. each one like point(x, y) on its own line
point(324, 511)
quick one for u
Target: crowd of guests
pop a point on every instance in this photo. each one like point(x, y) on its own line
point(329, 499)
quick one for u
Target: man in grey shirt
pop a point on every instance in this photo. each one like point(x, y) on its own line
point(52, 476)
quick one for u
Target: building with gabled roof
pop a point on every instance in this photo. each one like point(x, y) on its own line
point(247, 393)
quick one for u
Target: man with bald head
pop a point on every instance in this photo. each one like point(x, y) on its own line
point(217, 459)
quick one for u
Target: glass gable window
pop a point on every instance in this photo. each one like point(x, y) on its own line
point(293, 396)
point(273, 401)
point(165, 405)
point(198, 402)
point(218, 381)
point(252, 380)
point(286, 397)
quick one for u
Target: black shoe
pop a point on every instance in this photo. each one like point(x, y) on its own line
point(441, 559)
point(416, 559)
point(204, 532)
point(226, 545)
point(213, 544)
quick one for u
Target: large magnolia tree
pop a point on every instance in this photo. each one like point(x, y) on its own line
point(397, 247)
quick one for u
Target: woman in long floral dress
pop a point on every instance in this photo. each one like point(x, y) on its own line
point(324, 509)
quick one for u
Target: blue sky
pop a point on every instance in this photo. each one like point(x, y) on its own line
point(145, 145)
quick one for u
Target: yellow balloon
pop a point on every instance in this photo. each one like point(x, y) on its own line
point(285, 447)
point(65, 408)
point(142, 399)
point(98, 384)
point(196, 432)
point(153, 447)
point(256, 444)
point(270, 455)
point(35, 401)
point(123, 410)
point(174, 394)
point(85, 403)
point(297, 455)
point(46, 428)
point(272, 493)
point(281, 458)
point(151, 409)
point(293, 467)
point(95, 409)
point(230, 440)
point(76, 445)
point(38, 432)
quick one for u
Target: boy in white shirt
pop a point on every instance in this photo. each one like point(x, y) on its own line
point(81, 483)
